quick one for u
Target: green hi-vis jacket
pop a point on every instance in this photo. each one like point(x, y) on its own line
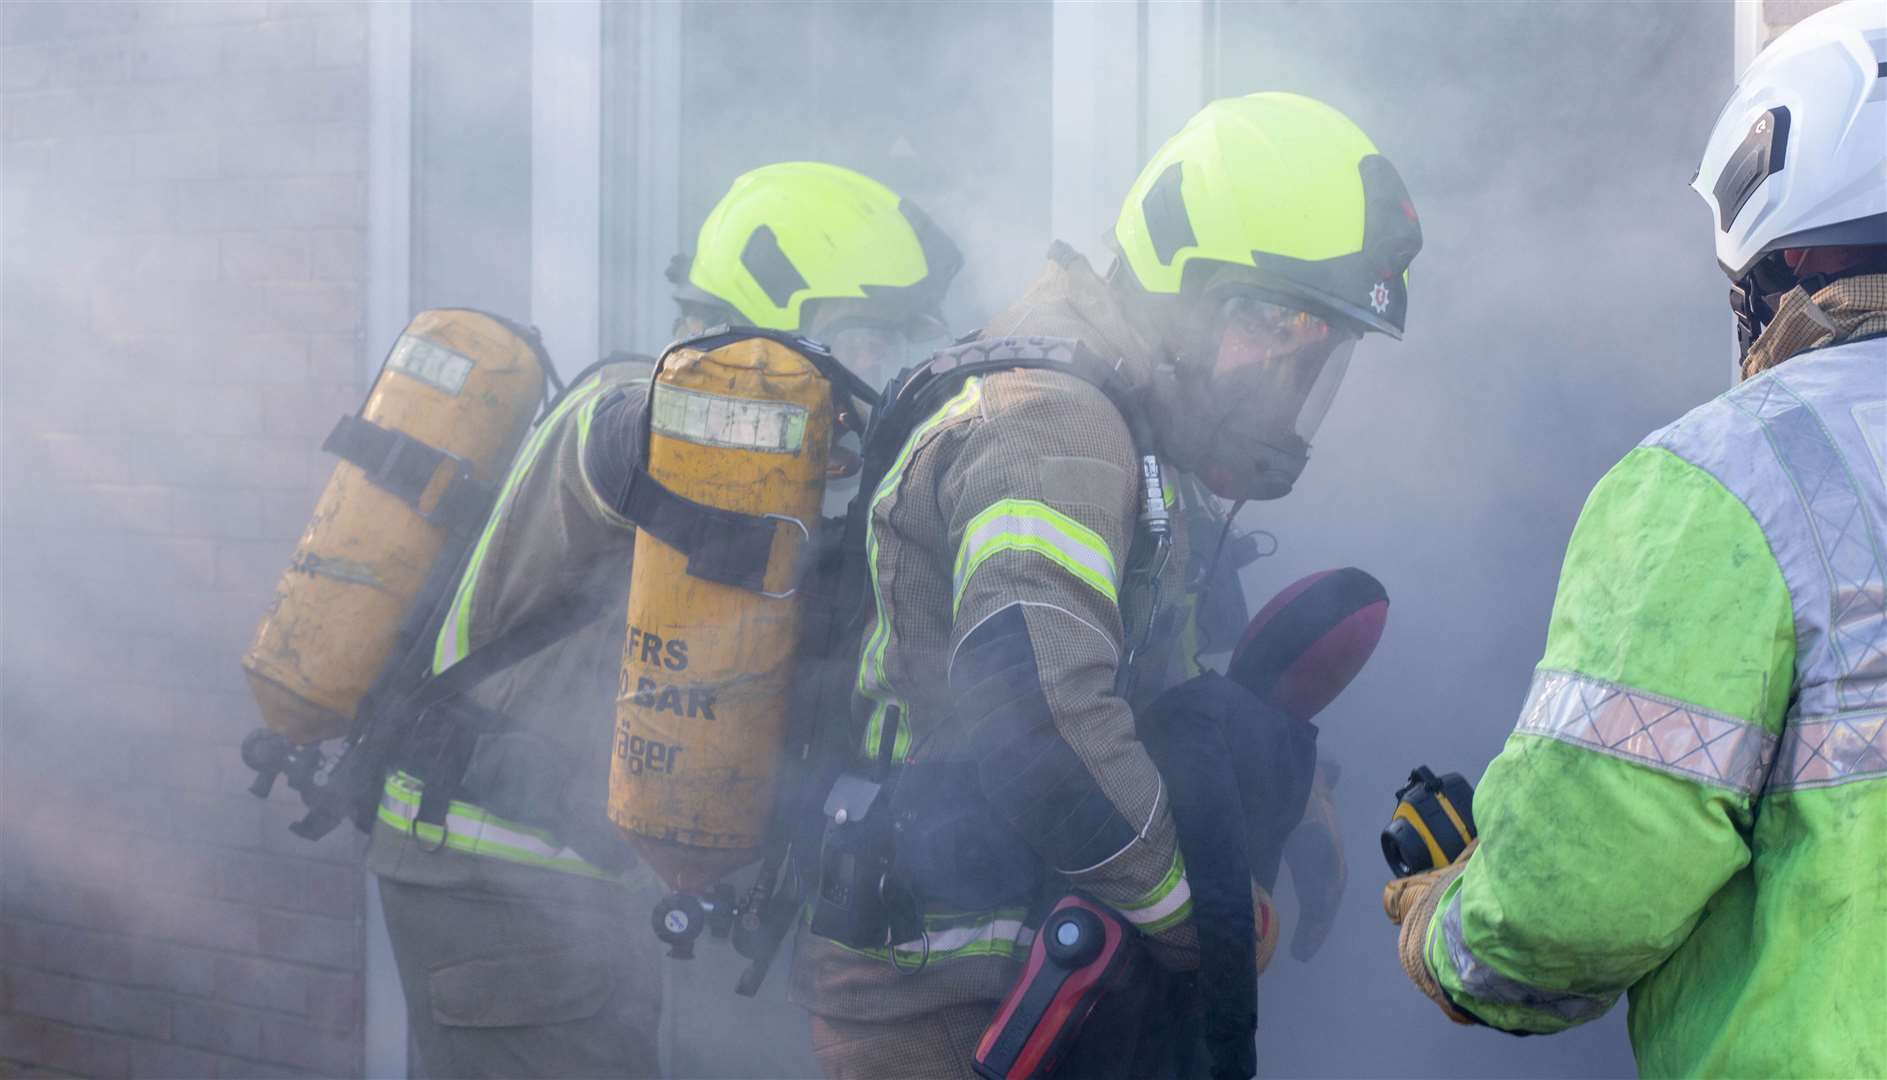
point(1693, 805)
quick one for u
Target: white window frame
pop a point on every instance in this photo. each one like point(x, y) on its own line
point(1748, 33)
point(389, 300)
point(566, 179)
point(654, 207)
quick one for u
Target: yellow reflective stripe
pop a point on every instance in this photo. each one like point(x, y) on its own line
point(475, 832)
point(875, 725)
point(872, 681)
point(454, 640)
point(585, 417)
point(1164, 906)
point(1032, 526)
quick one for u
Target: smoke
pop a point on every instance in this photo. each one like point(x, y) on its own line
point(192, 352)
point(1566, 303)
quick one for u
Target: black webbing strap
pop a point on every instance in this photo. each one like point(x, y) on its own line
point(723, 546)
point(445, 726)
point(404, 467)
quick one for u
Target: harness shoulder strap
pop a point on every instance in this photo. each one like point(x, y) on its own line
point(404, 467)
point(438, 752)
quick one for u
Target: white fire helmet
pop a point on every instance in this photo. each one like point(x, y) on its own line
point(1798, 157)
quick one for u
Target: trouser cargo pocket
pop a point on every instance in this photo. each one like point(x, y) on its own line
point(521, 989)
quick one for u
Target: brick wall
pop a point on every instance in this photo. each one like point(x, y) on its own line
point(182, 228)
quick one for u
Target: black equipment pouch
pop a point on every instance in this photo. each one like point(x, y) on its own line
point(925, 837)
point(1084, 953)
point(852, 906)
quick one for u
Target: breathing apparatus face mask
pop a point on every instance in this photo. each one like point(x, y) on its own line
point(1274, 374)
point(877, 349)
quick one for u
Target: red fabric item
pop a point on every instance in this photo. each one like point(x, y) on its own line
point(1348, 626)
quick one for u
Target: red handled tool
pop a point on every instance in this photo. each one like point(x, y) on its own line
point(1083, 950)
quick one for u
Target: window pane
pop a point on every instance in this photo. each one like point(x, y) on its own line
point(472, 157)
point(947, 104)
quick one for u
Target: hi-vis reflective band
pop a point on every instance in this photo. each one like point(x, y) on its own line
point(455, 635)
point(1842, 590)
point(1832, 750)
point(1656, 732)
point(1482, 982)
point(1028, 525)
point(872, 681)
point(954, 937)
point(771, 427)
point(1164, 906)
point(586, 416)
point(475, 832)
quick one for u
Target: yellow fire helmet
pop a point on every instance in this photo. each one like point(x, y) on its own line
point(801, 232)
point(1289, 190)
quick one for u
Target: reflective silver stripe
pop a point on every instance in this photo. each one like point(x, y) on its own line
point(430, 363)
point(994, 934)
point(1839, 582)
point(771, 427)
point(475, 832)
point(1031, 525)
point(1831, 750)
point(1481, 982)
point(1657, 732)
point(1167, 911)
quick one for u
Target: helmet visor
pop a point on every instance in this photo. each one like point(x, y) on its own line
point(1278, 368)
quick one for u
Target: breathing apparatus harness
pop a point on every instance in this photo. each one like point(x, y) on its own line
point(831, 816)
point(921, 391)
point(411, 717)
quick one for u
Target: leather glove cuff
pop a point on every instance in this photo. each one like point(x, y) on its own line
point(1412, 940)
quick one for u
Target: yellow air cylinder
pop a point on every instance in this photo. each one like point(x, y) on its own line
point(458, 381)
point(701, 711)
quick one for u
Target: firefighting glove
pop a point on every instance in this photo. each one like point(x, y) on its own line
point(1314, 852)
point(1410, 903)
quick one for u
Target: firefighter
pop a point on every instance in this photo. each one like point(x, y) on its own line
point(1693, 805)
point(1256, 249)
point(518, 927)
